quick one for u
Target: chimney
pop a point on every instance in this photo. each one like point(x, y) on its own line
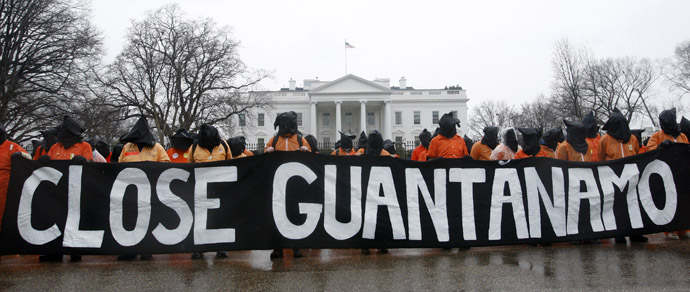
point(403, 83)
point(292, 84)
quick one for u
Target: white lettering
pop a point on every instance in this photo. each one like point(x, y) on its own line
point(336, 229)
point(382, 178)
point(165, 195)
point(664, 215)
point(137, 178)
point(202, 203)
point(73, 236)
point(313, 211)
point(501, 177)
point(437, 210)
point(26, 230)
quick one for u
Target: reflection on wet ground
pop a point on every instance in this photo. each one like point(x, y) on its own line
point(661, 264)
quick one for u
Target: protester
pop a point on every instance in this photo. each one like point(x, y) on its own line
point(685, 126)
point(374, 148)
point(362, 142)
point(344, 148)
point(179, 146)
point(287, 139)
point(7, 150)
point(420, 153)
point(448, 144)
point(117, 150)
point(638, 135)
point(619, 141)
point(481, 150)
point(549, 142)
point(575, 147)
point(530, 144)
point(593, 136)
point(243, 142)
point(468, 143)
point(313, 144)
point(389, 146)
point(508, 148)
point(49, 139)
point(236, 147)
point(670, 131)
point(140, 146)
point(104, 149)
point(97, 157)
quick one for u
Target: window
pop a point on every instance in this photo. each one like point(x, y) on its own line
point(299, 119)
point(417, 141)
point(434, 117)
point(260, 143)
point(370, 119)
point(348, 120)
point(398, 118)
point(326, 119)
point(327, 140)
point(417, 119)
point(243, 120)
point(261, 120)
point(398, 139)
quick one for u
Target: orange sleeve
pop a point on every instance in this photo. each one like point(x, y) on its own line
point(654, 141)
point(248, 153)
point(636, 144)
point(162, 155)
point(39, 149)
point(433, 149)
point(305, 143)
point(86, 151)
point(269, 143)
point(603, 145)
point(520, 154)
point(682, 138)
point(190, 156)
point(475, 152)
point(562, 152)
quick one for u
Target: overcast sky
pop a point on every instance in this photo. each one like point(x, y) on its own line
point(493, 49)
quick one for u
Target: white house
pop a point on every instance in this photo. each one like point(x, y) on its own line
point(352, 104)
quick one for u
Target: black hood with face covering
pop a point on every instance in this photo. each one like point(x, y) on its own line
point(374, 143)
point(490, 138)
point(576, 136)
point(313, 144)
point(468, 143)
point(447, 125)
point(685, 126)
point(181, 140)
point(286, 123)
point(590, 124)
point(236, 146)
point(389, 146)
point(103, 148)
point(530, 141)
point(346, 141)
point(510, 140)
point(667, 121)
point(208, 137)
point(49, 137)
point(70, 132)
point(425, 138)
point(638, 134)
point(552, 137)
point(617, 126)
point(362, 142)
point(140, 134)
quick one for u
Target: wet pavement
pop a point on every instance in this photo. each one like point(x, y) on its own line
point(663, 264)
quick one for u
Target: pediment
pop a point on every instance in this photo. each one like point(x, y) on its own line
point(350, 84)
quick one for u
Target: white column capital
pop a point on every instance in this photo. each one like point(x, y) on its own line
point(313, 102)
point(363, 101)
point(388, 101)
point(338, 101)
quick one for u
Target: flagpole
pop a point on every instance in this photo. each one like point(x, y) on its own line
point(345, 46)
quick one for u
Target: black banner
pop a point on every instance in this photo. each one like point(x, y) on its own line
point(305, 200)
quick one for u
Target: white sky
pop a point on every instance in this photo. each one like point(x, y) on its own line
point(493, 49)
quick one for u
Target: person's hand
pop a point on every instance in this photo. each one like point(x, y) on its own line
point(304, 149)
point(269, 149)
point(358, 154)
point(44, 158)
point(666, 144)
point(21, 154)
point(79, 159)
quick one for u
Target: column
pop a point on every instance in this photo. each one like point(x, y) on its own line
point(338, 124)
point(363, 115)
point(387, 121)
point(314, 129)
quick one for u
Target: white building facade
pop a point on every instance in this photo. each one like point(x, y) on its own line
point(352, 104)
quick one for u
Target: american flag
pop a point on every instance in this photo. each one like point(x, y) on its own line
point(349, 46)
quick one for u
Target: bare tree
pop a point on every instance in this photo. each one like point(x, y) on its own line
point(677, 70)
point(491, 113)
point(538, 114)
point(182, 73)
point(43, 44)
point(569, 65)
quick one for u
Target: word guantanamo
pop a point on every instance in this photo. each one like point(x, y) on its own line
point(305, 200)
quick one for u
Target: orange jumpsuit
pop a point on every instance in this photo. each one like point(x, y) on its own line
point(40, 151)
point(383, 152)
point(521, 154)
point(202, 154)
point(611, 148)
point(444, 147)
point(593, 147)
point(660, 136)
point(131, 153)
point(566, 152)
point(549, 153)
point(7, 148)
point(177, 155)
point(416, 154)
point(288, 143)
point(58, 151)
point(246, 153)
point(480, 151)
point(643, 149)
point(342, 152)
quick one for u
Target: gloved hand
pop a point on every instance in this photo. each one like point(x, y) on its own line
point(467, 157)
point(666, 144)
point(79, 159)
point(44, 158)
point(358, 154)
point(21, 154)
point(269, 149)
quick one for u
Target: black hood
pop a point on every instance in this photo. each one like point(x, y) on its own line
point(116, 152)
point(70, 132)
point(389, 146)
point(638, 135)
point(346, 141)
point(530, 141)
point(425, 138)
point(617, 126)
point(208, 137)
point(49, 137)
point(236, 146)
point(590, 124)
point(362, 142)
point(3, 133)
point(336, 145)
point(181, 140)
point(490, 138)
point(510, 140)
point(447, 125)
point(374, 143)
point(576, 136)
point(667, 121)
point(685, 126)
point(552, 137)
point(286, 123)
point(103, 148)
point(468, 143)
point(313, 144)
point(140, 134)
